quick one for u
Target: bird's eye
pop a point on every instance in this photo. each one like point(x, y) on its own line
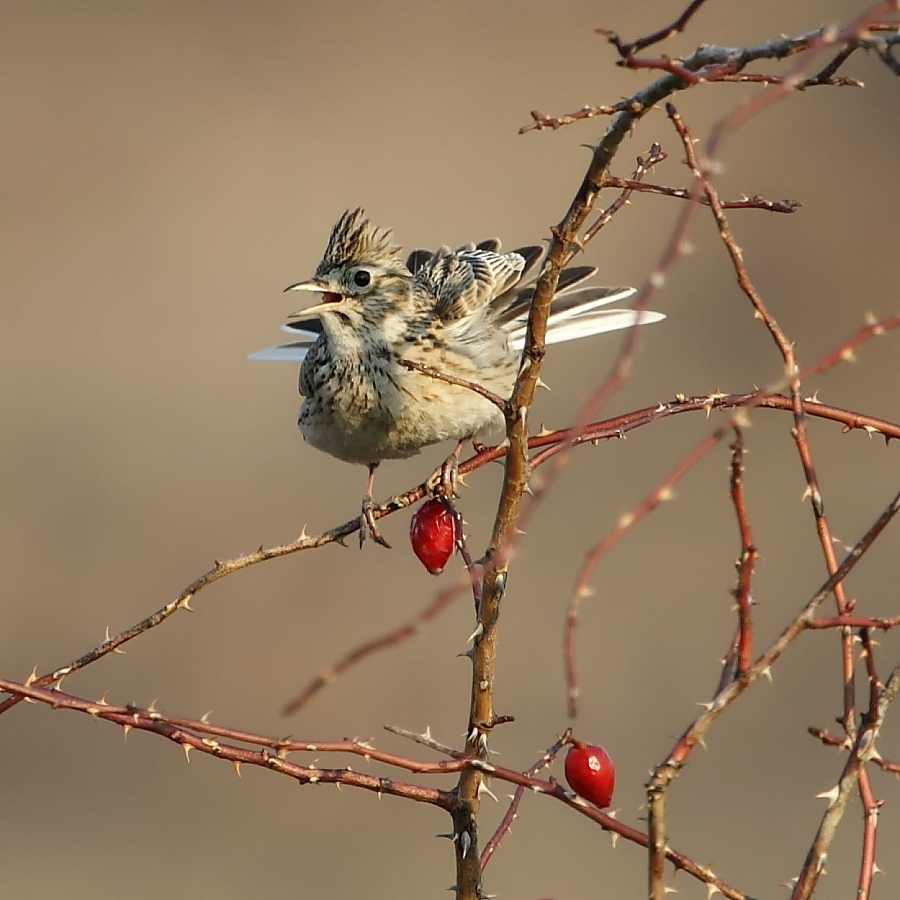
point(362, 278)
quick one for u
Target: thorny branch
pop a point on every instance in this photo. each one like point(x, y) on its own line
point(213, 740)
point(666, 772)
point(737, 659)
point(838, 798)
point(706, 64)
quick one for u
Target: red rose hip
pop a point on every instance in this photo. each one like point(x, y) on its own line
point(432, 533)
point(590, 773)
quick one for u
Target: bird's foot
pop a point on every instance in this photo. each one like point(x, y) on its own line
point(444, 480)
point(367, 526)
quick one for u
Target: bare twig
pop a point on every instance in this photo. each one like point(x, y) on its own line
point(645, 164)
point(626, 50)
point(792, 374)
point(755, 202)
point(863, 750)
point(747, 559)
point(392, 638)
point(458, 382)
point(695, 733)
point(512, 811)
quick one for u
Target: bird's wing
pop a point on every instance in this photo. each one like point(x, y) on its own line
point(464, 282)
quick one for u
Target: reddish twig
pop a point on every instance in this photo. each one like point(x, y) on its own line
point(824, 622)
point(540, 121)
point(581, 590)
point(830, 740)
point(799, 432)
point(747, 559)
point(755, 202)
point(392, 638)
point(512, 811)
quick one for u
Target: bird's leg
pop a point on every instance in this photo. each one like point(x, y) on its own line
point(367, 526)
point(443, 481)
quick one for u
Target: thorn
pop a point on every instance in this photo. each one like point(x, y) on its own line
point(185, 603)
point(477, 633)
point(205, 717)
point(32, 678)
point(831, 796)
point(237, 767)
point(484, 789)
point(541, 384)
point(187, 751)
point(107, 639)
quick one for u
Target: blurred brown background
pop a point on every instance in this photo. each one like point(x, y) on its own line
point(168, 168)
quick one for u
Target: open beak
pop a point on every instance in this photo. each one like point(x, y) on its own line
point(330, 300)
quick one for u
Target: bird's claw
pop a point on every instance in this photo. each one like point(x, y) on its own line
point(443, 480)
point(367, 526)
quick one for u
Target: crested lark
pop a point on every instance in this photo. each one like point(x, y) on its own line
point(462, 313)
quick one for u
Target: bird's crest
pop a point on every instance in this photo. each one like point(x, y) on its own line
point(355, 239)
